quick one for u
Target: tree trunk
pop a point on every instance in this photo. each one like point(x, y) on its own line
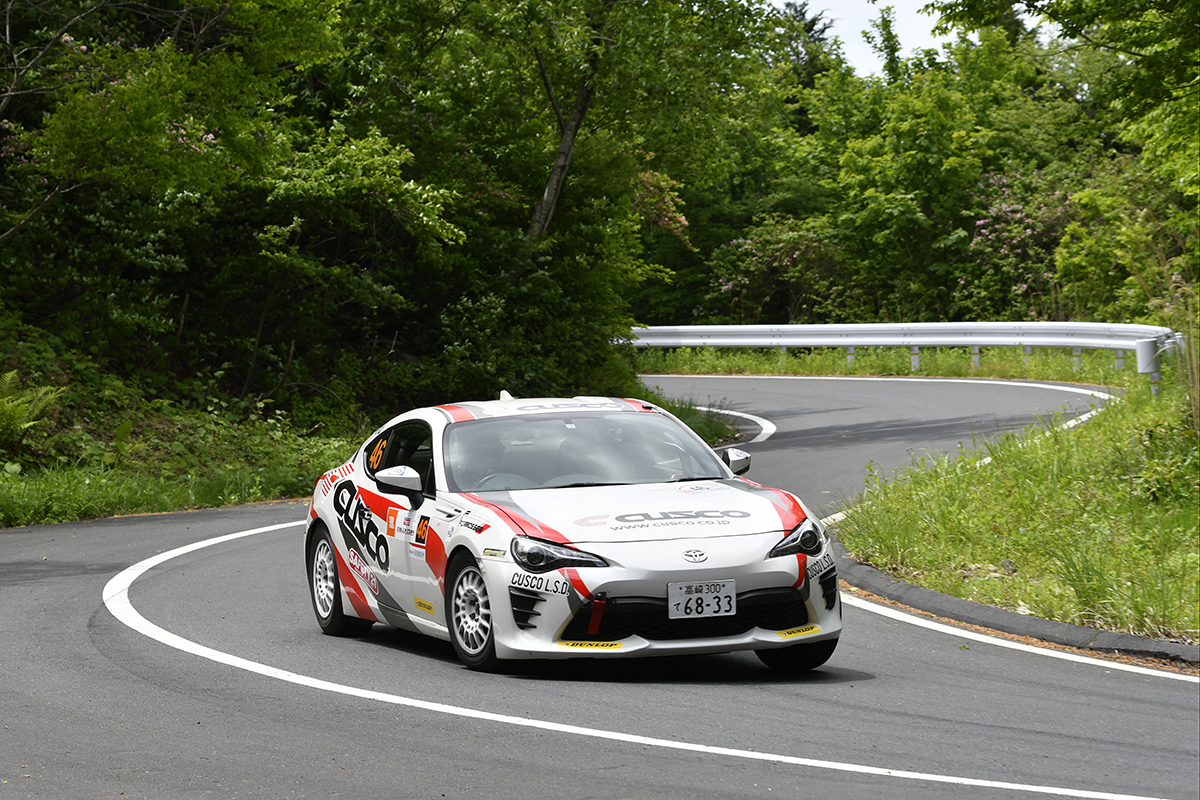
point(568, 128)
point(544, 210)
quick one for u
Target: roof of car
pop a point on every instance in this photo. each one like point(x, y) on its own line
point(515, 407)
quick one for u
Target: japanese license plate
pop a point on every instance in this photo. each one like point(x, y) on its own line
point(701, 599)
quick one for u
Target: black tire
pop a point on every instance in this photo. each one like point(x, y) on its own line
point(325, 588)
point(469, 615)
point(798, 657)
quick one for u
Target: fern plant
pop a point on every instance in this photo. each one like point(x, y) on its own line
point(21, 409)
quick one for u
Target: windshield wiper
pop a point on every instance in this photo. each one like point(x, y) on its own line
point(578, 484)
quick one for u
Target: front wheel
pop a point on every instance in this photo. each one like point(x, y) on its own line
point(469, 614)
point(798, 657)
point(325, 589)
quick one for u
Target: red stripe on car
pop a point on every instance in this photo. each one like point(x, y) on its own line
point(357, 599)
point(457, 413)
point(379, 504)
point(791, 513)
point(802, 560)
point(577, 582)
point(435, 558)
point(522, 521)
point(640, 405)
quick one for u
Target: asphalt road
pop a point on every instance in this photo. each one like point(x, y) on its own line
point(93, 708)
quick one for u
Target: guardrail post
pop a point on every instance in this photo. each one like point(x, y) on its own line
point(1076, 358)
point(1119, 359)
point(916, 358)
point(850, 357)
point(975, 356)
point(1028, 352)
point(1147, 361)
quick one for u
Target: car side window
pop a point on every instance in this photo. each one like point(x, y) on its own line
point(409, 444)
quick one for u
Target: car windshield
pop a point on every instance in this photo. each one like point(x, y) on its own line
point(547, 451)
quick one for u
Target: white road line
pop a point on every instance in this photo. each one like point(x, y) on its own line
point(768, 427)
point(116, 598)
point(950, 630)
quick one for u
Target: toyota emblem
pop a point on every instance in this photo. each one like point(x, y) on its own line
point(695, 556)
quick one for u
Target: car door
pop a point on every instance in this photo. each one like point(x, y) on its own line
point(416, 537)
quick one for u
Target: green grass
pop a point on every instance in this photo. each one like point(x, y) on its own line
point(140, 457)
point(169, 463)
point(1096, 525)
point(1048, 364)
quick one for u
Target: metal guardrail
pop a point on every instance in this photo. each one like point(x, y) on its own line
point(1147, 341)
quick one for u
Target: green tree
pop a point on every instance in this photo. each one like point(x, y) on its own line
point(1160, 42)
point(155, 96)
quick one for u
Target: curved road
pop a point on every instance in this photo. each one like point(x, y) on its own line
point(240, 696)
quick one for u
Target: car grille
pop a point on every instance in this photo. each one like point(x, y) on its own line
point(771, 609)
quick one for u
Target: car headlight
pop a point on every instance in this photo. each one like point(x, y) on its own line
point(537, 555)
point(807, 538)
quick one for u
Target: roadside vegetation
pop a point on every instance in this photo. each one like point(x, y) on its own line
point(1094, 525)
point(105, 449)
point(1094, 367)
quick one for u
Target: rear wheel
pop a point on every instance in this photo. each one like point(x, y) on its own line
point(469, 614)
point(798, 657)
point(325, 589)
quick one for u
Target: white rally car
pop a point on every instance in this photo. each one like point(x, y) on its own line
point(551, 528)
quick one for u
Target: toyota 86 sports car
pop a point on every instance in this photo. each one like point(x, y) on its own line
point(555, 528)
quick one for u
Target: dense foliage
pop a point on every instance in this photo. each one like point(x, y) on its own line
point(340, 209)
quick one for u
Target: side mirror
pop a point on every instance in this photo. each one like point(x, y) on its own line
point(737, 460)
point(404, 481)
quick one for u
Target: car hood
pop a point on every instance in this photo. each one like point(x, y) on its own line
point(647, 512)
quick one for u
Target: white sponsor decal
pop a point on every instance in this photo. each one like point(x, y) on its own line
point(653, 516)
point(552, 406)
point(472, 525)
point(360, 568)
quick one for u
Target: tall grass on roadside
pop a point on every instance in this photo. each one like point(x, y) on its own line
point(1166, 275)
point(91, 490)
point(1098, 525)
point(201, 461)
point(710, 425)
point(1051, 364)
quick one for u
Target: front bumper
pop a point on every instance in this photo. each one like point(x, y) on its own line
point(622, 611)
